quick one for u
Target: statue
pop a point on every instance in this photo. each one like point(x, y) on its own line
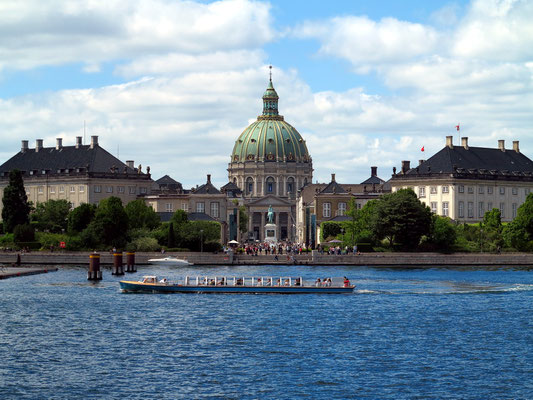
point(270, 215)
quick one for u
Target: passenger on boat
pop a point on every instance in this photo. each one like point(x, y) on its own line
point(164, 280)
point(239, 281)
point(298, 282)
point(278, 282)
point(287, 282)
point(212, 282)
point(329, 281)
point(318, 282)
point(258, 281)
point(269, 282)
point(346, 282)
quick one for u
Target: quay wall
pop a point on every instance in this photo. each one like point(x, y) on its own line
point(371, 259)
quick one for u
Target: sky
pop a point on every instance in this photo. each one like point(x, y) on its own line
point(171, 84)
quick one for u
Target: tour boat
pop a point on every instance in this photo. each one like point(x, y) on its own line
point(214, 284)
point(169, 261)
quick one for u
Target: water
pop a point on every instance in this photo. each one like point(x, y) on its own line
point(416, 334)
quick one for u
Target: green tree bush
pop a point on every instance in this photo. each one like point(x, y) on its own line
point(16, 208)
point(109, 226)
point(141, 216)
point(52, 215)
point(80, 217)
point(23, 233)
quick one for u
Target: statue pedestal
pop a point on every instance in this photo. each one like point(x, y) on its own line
point(271, 233)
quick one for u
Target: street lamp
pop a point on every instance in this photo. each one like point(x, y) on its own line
point(201, 240)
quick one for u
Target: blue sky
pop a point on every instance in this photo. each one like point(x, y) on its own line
point(172, 84)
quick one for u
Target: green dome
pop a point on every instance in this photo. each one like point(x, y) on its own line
point(270, 138)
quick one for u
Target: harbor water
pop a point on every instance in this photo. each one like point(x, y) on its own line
point(439, 333)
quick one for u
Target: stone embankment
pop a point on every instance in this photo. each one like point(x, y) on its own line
point(12, 272)
point(370, 259)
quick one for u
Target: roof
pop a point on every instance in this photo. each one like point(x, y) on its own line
point(207, 188)
point(196, 216)
point(91, 159)
point(166, 180)
point(373, 180)
point(478, 161)
point(333, 187)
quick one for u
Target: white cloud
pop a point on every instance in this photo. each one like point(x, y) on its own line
point(36, 33)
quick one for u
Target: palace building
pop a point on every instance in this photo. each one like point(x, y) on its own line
point(463, 182)
point(78, 174)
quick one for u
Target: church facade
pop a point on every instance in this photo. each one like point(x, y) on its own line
point(269, 164)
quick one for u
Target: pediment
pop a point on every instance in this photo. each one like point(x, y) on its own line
point(270, 200)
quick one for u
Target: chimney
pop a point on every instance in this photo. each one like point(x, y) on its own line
point(406, 165)
point(501, 145)
point(332, 177)
point(94, 141)
point(515, 146)
point(449, 142)
point(130, 164)
point(38, 145)
point(59, 143)
point(78, 142)
point(373, 171)
point(208, 178)
point(464, 142)
point(24, 147)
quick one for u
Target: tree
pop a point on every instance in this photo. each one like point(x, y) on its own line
point(179, 217)
point(15, 209)
point(352, 225)
point(52, 215)
point(329, 229)
point(492, 233)
point(519, 232)
point(110, 224)
point(171, 238)
point(443, 233)
point(81, 217)
point(141, 216)
point(401, 218)
point(243, 220)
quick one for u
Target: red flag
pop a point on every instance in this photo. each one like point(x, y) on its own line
point(422, 149)
point(457, 126)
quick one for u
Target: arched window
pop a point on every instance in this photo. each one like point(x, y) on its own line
point(290, 186)
point(270, 186)
point(249, 185)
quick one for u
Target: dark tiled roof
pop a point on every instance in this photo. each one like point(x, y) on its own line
point(94, 159)
point(373, 180)
point(167, 180)
point(207, 188)
point(333, 187)
point(474, 160)
point(196, 216)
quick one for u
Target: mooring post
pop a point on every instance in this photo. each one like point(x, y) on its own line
point(130, 262)
point(94, 268)
point(118, 268)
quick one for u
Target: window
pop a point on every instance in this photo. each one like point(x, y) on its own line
point(515, 191)
point(461, 210)
point(52, 189)
point(470, 189)
point(200, 207)
point(81, 189)
point(168, 207)
point(515, 207)
point(422, 191)
point(97, 189)
point(61, 189)
point(445, 189)
point(73, 189)
point(143, 190)
point(109, 189)
point(461, 189)
point(132, 190)
point(270, 187)
point(489, 206)
point(445, 208)
point(215, 210)
point(502, 190)
point(481, 189)
point(342, 209)
point(502, 210)
point(489, 189)
point(433, 190)
point(120, 189)
point(40, 189)
point(434, 207)
point(470, 209)
point(326, 210)
point(480, 210)
point(185, 207)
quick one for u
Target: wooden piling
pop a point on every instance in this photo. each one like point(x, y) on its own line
point(118, 267)
point(130, 262)
point(94, 273)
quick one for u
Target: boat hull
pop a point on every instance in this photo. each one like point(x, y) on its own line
point(139, 287)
